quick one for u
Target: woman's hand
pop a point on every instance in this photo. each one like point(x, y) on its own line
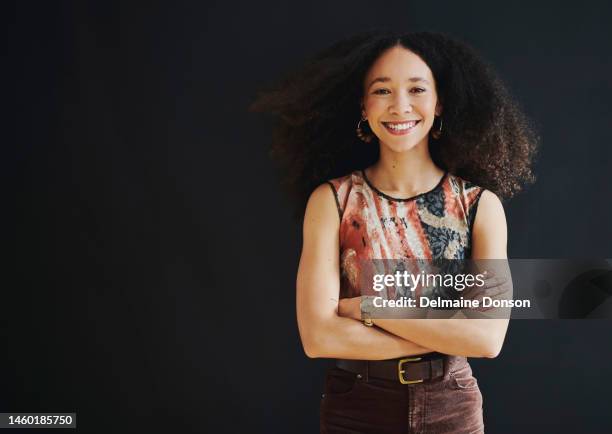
point(350, 308)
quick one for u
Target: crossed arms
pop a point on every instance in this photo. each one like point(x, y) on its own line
point(331, 329)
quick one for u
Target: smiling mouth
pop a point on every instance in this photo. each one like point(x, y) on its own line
point(399, 128)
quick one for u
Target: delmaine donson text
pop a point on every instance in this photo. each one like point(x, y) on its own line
point(457, 281)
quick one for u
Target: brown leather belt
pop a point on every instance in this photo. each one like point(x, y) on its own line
point(408, 370)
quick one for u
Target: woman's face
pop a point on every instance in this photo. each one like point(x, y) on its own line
point(400, 99)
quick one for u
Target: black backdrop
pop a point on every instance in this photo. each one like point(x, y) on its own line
point(156, 255)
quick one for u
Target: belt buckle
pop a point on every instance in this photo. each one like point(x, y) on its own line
point(400, 371)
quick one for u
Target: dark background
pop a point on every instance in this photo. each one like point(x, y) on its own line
point(156, 256)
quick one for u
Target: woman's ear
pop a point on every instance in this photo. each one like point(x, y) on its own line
point(438, 110)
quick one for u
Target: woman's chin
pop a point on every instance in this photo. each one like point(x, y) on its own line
point(398, 146)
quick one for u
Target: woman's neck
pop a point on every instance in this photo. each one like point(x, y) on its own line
point(405, 174)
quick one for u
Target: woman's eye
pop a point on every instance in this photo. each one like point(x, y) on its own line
point(383, 91)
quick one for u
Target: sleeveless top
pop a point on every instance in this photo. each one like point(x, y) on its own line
point(433, 225)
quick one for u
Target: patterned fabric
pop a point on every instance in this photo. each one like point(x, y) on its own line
point(432, 225)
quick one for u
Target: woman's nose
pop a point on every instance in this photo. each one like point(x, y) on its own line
point(401, 104)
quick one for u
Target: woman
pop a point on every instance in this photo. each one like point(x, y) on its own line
point(438, 140)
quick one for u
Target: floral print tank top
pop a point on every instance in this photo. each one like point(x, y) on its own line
point(432, 225)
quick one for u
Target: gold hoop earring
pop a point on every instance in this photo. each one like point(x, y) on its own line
point(436, 134)
point(366, 137)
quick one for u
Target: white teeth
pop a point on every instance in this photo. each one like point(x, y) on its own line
point(403, 126)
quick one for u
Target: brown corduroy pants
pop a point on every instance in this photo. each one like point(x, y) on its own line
point(452, 404)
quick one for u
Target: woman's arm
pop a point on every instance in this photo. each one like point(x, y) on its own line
point(323, 332)
point(462, 337)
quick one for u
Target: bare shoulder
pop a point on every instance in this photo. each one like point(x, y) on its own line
point(321, 196)
point(490, 233)
point(490, 209)
point(321, 210)
point(320, 243)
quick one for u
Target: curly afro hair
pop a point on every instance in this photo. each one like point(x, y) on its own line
point(487, 140)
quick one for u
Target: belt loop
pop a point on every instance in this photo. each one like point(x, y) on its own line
point(367, 371)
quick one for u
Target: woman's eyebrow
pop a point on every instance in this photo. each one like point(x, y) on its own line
point(385, 79)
